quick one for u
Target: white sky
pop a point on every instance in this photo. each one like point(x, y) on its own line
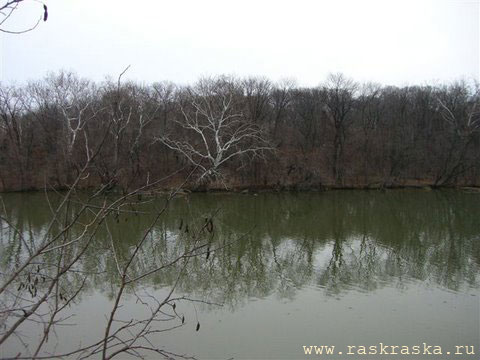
point(388, 41)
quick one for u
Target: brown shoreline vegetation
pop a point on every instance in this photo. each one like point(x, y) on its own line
point(241, 134)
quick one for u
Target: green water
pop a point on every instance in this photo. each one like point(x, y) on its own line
point(342, 268)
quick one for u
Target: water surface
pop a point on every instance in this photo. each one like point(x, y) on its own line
point(334, 268)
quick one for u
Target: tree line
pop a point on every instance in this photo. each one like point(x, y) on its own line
point(238, 133)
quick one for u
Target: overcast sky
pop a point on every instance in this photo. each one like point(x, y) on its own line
point(388, 41)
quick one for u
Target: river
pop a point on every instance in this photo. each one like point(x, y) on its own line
point(343, 268)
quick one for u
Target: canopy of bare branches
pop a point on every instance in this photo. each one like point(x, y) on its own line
point(238, 133)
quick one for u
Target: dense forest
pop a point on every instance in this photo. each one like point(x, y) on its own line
point(234, 133)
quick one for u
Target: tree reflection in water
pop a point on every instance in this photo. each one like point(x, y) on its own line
point(280, 243)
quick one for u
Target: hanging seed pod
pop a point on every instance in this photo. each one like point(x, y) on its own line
point(208, 253)
point(210, 225)
point(45, 12)
point(174, 306)
point(198, 326)
point(183, 319)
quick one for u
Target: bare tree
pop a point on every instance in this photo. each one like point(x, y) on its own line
point(48, 276)
point(216, 128)
point(7, 10)
point(11, 111)
point(339, 103)
point(74, 98)
point(371, 111)
point(129, 109)
point(466, 103)
point(164, 95)
point(307, 105)
point(281, 98)
point(460, 109)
